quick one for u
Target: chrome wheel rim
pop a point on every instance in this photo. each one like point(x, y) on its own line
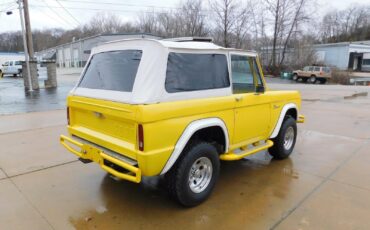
point(289, 138)
point(313, 79)
point(200, 174)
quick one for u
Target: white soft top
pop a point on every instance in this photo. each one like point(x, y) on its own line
point(149, 86)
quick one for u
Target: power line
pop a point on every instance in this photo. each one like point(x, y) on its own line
point(78, 22)
point(121, 4)
point(96, 9)
point(56, 19)
point(57, 14)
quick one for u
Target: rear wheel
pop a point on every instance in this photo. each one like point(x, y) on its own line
point(192, 179)
point(322, 81)
point(284, 142)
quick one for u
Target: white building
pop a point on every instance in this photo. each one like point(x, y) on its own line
point(343, 55)
point(76, 53)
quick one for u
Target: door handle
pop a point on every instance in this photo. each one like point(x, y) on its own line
point(238, 98)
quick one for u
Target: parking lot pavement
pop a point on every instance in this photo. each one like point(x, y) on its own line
point(324, 185)
point(14, 99)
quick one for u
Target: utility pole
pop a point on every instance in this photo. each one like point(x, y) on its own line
point(25, 47)
point(28, 29)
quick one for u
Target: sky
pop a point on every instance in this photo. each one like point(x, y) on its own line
point(68, 14)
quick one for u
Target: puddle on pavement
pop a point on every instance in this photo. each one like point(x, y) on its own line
point(147, 205)
point(356, 95)
point(311, 100)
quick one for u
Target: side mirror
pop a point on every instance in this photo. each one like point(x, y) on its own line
point(260, 89)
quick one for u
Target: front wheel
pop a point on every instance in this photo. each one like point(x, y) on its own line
point(192, 179)
point(295, 77)
point(284, 142)
point(313, 79)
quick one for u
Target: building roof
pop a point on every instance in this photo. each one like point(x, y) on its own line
point(366, 43)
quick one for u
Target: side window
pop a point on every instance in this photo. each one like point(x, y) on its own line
point(306, 68)
point(317, 69)
point(191, 72)
point(310, 68)
point(242, 74)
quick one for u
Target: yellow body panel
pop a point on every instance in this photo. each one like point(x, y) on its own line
point(114, 125)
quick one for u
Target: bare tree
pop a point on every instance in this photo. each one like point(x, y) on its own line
point(192, 19)
point(225, 17)
point(286, 15)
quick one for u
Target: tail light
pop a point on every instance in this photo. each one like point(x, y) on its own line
point(68, 116)
point(141, 137)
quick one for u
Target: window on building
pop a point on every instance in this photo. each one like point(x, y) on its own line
point(114, 70)
point(191, 72)
point(366, 62)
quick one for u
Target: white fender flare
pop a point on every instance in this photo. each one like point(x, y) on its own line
point(281, 118)
point(192, 128)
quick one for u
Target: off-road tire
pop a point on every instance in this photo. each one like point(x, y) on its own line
point(295, 77)
point(177, 179)
point(278, 150)
point(313, 79)
point(322, 80)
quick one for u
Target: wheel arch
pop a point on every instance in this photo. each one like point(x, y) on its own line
point(290, 109)
point(195, 128)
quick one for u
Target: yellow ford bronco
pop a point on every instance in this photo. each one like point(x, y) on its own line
point(176, 108)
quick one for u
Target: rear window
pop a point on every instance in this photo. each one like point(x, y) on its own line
point(114, 70)
point(190, 72)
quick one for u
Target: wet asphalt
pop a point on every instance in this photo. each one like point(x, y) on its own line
point(15, 99)
point(323, 185)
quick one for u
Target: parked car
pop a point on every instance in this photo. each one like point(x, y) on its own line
point(153, 107)
point(11, 68)
point(313, 74)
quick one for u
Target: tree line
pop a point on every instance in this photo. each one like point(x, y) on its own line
point(276, 25)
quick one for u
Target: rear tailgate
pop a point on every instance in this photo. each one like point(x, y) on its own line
point(108, 124)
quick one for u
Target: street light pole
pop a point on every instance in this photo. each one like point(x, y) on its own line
point(25, 47)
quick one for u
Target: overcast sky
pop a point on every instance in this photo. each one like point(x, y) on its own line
point(49, 13)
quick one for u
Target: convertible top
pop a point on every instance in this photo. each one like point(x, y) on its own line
point(149, 85)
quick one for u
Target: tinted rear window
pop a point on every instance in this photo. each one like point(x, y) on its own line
point(190, 72)
point(114, 70)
